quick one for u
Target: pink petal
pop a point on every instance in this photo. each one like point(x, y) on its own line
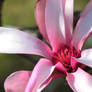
point(40, 17)
point(15, 41)
point(52, 21)
point(84, 28)
point(68, 18)
point(74, 63)
point(40, 76)
point(60, 68)
point(80, 81)
point(86, 57)
point(17, 81)
point(55, 23)
point(56, 74)
point(87, 9)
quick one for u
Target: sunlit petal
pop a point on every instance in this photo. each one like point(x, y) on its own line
point(86, 57)
point(54, 20)
point(68, 12)
point(80, 81)
point(15, 41)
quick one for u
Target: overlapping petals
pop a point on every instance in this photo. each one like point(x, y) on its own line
point(58, 12)
point(80, 81)
point(27, 81)
point(40, 76)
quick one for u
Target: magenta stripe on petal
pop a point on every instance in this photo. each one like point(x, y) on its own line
point(17, 81)
point(40, 75)
point(15, 41)
point(80, 81)
point(40, 17)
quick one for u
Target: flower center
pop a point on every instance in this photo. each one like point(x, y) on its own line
point(64, 56)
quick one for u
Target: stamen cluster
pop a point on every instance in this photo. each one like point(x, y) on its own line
point(64, 56)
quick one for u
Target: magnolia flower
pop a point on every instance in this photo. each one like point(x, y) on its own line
point(64, 57)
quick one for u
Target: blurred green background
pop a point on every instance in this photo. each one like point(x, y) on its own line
point(20, 13)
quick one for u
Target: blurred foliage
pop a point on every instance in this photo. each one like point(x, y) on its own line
point(80, 4)
point(20, 13)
